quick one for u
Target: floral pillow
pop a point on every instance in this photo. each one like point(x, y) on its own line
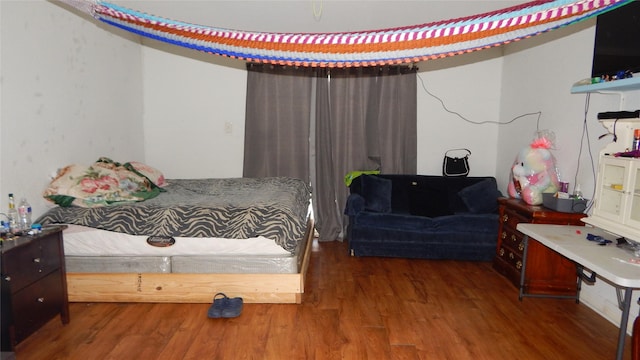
point(104, 183)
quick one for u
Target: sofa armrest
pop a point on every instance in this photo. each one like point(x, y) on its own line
point(355, 204)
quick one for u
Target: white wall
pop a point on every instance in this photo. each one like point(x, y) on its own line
point(538, 75)
point(468, 85)
point(194, 112)
point(70, 92)
point(1, 32)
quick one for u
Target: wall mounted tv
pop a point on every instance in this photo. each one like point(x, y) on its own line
point(617, 42)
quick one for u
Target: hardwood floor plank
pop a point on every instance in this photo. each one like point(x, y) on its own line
point(353, 308)
point(404, 352)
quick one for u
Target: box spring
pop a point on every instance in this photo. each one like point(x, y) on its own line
point(149, 280)
point(205, 264)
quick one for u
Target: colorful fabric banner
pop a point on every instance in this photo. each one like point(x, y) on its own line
point(401, 45)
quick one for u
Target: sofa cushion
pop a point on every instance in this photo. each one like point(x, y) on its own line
point(481, 197)
point(429, 198)
point(429, 202)
point(377, 193)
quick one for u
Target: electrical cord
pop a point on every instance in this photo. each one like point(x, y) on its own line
point(585, 134)
point(444, 106)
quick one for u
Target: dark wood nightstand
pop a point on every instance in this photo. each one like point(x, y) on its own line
point(548, 272)
point(34, 284)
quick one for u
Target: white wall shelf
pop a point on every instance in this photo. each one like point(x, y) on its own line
point(616, 85)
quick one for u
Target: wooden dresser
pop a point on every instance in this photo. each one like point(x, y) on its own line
point(547, 272)
point(34, 285)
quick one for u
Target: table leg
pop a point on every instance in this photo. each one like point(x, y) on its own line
point(622, 334)
point(525, 240)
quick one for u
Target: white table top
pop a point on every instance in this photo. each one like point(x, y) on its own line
point(609, 261)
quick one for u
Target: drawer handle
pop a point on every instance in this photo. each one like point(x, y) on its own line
point(521, 246)
point(40, 299)
point(7, 278)
point(501, 251)
point(504, 235)
point(511, 256)
point(505, 218)
point(36, 260)
point(519, 265)
point(513, 238)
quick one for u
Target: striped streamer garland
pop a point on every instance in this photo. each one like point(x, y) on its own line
point(366, 48)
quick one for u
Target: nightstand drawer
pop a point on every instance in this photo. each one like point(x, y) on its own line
point(36, 304)
point(34, 260)
point(34, 284)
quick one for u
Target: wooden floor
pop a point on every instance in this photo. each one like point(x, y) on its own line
point(353, 308)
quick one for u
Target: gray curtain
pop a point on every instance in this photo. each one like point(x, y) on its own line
point(276, 135)
point(365, 119)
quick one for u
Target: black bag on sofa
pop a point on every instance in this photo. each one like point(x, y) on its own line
point(455, 166)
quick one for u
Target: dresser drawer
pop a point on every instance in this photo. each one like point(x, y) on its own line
point(511, 219)
point(511, 257)
point(507, 269)
point(36, 304)
point(513, 240)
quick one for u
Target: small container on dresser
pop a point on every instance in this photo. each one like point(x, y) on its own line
point(548, 273)
point(34, 285)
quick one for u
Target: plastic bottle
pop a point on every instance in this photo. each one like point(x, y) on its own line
point(12, 215)
point(577, 192)
point(24, 212)
point(636, 139)
point(3, 230)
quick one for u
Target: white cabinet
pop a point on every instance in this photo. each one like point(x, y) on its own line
point(616, 205)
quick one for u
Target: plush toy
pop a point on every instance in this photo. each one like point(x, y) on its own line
point(534, 172)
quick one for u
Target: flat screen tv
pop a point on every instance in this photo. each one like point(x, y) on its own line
point(617, 42)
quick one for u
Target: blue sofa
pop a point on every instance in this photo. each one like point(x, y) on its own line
point(423, 216)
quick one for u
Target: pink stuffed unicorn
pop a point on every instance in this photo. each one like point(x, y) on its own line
point(534, 172)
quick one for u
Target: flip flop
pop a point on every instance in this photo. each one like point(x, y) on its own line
point(225, 307)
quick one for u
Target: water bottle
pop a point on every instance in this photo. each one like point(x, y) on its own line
point(577, 193)
point(12, 215)
point(4, 230)
point(24, 211)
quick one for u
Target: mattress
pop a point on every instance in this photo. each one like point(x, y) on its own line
point(230, 225)
point(234, 208)
point(87, 241)
point(90, 250)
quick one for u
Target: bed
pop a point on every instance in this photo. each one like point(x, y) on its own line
point(180, 240)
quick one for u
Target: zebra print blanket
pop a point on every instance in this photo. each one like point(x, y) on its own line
point(276, 208)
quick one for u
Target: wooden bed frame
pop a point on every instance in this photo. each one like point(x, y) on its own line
point(191, 288)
